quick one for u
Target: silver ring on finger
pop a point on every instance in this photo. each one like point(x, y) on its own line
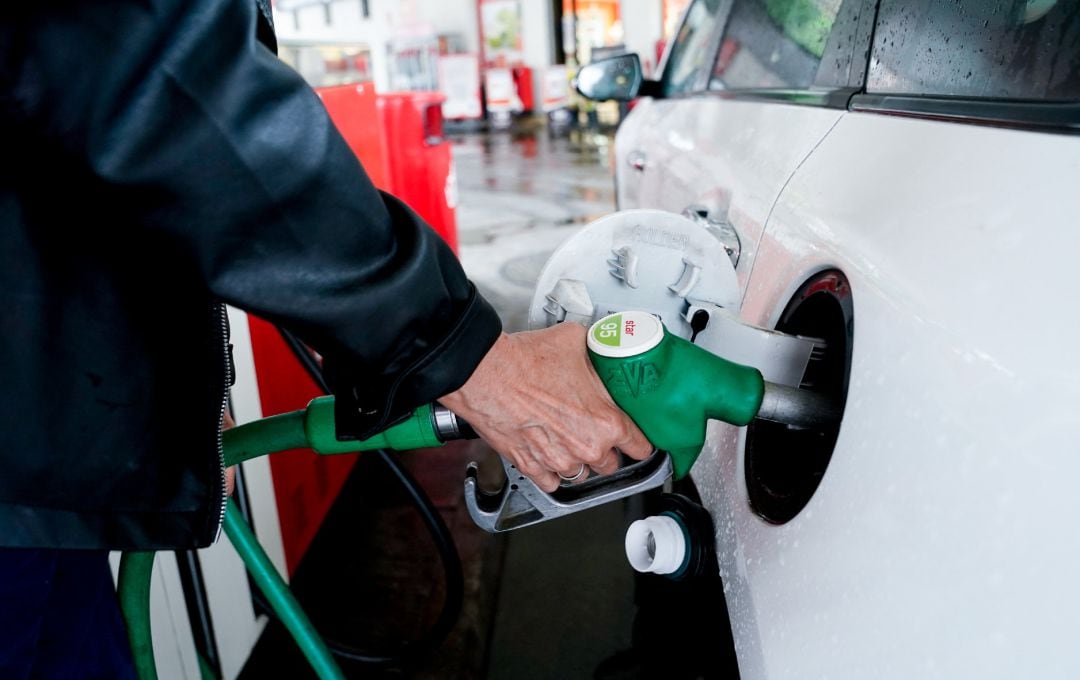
point(574, 478)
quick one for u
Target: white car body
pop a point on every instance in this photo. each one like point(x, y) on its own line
point(942, 541)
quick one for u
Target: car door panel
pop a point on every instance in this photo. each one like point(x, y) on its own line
point(939, 542)
point(731, 157)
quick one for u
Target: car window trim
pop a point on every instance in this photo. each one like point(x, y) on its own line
point(1038, 115)
point(864, 37)
point(722, 17)
point(832, 98)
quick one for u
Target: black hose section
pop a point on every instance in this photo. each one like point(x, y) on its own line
point(409, 653)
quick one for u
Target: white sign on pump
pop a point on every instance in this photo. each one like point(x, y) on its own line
point(459, 80)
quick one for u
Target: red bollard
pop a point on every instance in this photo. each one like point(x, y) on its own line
point(421, 167)
point(354, 112)
point(523, 82)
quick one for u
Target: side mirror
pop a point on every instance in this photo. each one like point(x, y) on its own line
point(619, 78)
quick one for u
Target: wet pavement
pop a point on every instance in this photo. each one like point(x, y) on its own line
point(521, 196)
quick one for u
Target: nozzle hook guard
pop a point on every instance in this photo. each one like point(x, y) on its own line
point(520, 503)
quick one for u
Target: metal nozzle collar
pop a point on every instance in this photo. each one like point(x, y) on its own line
point(446, 423)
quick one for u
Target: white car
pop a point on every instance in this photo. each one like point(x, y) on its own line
point(903, 181)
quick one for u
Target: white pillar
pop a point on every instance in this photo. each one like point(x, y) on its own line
point(538, 48)
point(642, 27)
point(537, 33)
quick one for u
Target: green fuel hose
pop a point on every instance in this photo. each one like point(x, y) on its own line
point(134, 590)
point(269, 435)
point(281, 599)
point(136, 569)
point(312, 427)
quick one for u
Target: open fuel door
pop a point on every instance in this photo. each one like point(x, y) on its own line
point(679, 268)
point(649, 260)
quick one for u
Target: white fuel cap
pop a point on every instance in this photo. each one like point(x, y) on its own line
point(625, 334)
point(656, 545)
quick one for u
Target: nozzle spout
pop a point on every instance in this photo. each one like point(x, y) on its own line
point(801, 408)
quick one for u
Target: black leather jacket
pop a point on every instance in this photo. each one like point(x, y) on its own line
point(158, 160)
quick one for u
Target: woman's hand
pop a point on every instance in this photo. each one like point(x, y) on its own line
point(536, 399)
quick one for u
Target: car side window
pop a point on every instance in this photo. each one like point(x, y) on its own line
point(788, 44)
point(994, 49)
point(691, 49)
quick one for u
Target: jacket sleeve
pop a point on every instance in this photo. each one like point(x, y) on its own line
point(188, 126)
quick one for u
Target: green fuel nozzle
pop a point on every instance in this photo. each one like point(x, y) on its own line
point(669, 386)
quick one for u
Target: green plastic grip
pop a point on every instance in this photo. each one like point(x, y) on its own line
point(314, 428)
point(672, 389)
point(415, 432)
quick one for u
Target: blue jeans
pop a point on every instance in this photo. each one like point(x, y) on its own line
point(59, 616)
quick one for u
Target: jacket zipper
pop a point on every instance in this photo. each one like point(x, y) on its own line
point(223, 320)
